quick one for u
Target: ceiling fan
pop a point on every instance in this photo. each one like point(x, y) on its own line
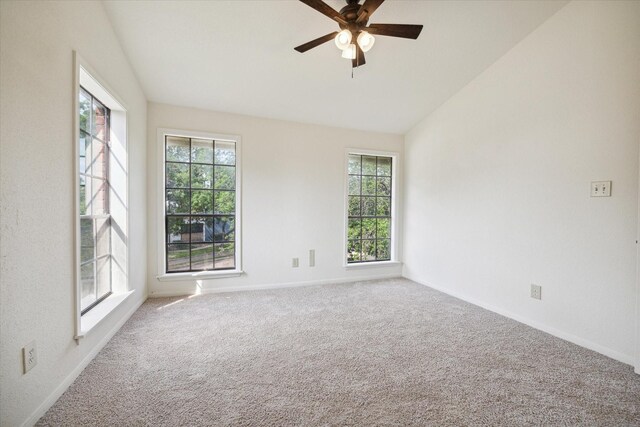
point(354, 37)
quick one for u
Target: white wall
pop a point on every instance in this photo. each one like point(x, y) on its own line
point(293, 176)
point(37, 193)
point(497, 181)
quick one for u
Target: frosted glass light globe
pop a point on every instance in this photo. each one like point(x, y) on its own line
point(366, 41)
point(349, 52)
point(343, 39)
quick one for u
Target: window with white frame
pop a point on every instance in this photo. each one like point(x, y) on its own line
point(101, 199)
point(201, 203)
point(370, 203)
point(95, 218)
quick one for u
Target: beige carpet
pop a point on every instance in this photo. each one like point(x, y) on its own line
point(371, 353)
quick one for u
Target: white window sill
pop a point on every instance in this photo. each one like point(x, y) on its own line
point(202, 275)
point(374, 264)
point(98, 313)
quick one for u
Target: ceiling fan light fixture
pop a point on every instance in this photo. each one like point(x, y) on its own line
point(365, 41)
point(349, 52)
point(343, 39)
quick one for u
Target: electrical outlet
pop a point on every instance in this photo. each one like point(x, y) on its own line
point(536, 291)
point(312, 257)
point(295, 263)
point(601, 189)
point(29, 356)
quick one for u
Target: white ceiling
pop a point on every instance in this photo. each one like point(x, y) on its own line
point(237, 56)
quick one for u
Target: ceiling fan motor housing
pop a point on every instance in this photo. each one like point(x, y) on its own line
point(350, 14)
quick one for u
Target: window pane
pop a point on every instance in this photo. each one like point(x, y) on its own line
point(177, 149)
point(201, 176)
point(83, 196)
point(178, 257)
point(202, 151)
point(369, 228)
point(354, 185)
point(178, 201)
point(225, 178)
point(355, 229)
point(224, 255)
point(85, 153)
point(384, 187)
point(103, 236)
point(87, 285)
point(99, 195)
point(177, 230)
point(225, 202)
point(225, 153)
point(368, 250)
point(369, 185)
point(99, 121)
point(208, 176)
point(353, 250)
point(384, 228)
point(202, 229)
point(383, 207)
point(368, 206)
point(354, 206)
point(103, 276)
point(383, 251)
point(368, 165)
point(354, 164)
point(202, 256)
point(87, 246)
point(223, 229)
point(384, 166)
point(202, 201)
point(85, 111)
point(95, 232)
point(98, 159)
point(177, 175)
point(83, 165)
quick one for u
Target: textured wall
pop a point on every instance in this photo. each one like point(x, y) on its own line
point(37, 191)
point(498, 179)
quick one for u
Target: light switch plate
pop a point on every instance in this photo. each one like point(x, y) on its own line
point(600, 188)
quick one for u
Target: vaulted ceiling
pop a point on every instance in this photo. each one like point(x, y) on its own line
point(237, 56)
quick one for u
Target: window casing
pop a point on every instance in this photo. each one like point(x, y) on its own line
point(95, 219)
point(200, 204)
point(370, 208)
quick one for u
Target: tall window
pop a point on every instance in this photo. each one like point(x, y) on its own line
point(200, 204)
point(369, 208)
point(95, 220)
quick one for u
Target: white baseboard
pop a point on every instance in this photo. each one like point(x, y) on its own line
point(55, 395)
point(621, 357)
point(276, 285)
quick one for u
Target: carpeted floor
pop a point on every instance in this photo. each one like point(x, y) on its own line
point(370, 353)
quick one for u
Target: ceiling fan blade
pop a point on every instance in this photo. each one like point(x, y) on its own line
point(395, 30)
point(325, 9)
point(367, 8)
point(359, 59)
point(317, 42)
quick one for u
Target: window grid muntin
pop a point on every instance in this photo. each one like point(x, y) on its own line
point(359, 241)
point(191, 215)
point(105, 194)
